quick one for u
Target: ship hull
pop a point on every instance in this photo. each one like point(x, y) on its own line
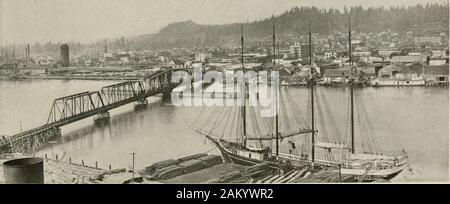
point(355, 175)
point(351, 175)
point(237, 159)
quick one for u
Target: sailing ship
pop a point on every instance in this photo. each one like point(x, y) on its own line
point(251, 146)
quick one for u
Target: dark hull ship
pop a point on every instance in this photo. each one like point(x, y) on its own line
point(250, 146)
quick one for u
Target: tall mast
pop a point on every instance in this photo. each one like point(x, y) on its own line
point(351, 85)
point(14, 51)
point(244, 92)
point(312, 95)
point(276, 94)
point(6, 52)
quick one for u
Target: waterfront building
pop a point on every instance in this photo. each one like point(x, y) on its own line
point(436, 61)
point(436, 75)
point(295, 49)
point(406, 59)
point(428, 39)
point(389, 71)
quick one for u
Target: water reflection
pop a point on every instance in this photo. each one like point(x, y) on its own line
point(413, 118)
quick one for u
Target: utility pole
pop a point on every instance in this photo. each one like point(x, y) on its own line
point(14, 52)
point(340, 175)
point(351, 85)
point(6, 52)
point(132, 170)
point(312, 96)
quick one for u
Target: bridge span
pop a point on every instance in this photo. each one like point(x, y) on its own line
point(69, 109)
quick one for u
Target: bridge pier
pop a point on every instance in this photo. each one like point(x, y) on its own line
point(102, 118)
point(141, 104)
point(29, 143)
point(167, 96)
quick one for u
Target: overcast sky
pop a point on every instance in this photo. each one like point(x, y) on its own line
point(90, 20)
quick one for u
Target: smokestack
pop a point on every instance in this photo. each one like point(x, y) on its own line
point(6, 52)
point(14, 51)
point(65, 55)
point(28, 53)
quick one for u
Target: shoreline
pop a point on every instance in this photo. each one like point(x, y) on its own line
point(92, 78)
point(133, 78)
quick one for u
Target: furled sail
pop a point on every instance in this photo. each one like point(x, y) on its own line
point(327, 145)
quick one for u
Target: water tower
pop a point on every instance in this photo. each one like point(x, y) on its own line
point(65, 55)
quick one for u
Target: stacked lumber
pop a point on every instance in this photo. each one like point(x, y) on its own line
point(171, 168)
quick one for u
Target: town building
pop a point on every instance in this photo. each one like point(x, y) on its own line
point(428, 39)
point(436, 75)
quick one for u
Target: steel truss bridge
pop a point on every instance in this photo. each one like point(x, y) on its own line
point(69, 109)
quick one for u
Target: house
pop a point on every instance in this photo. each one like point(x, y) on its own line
point(369, 70)
point(409, 73)
point(295, 49)
point(438, 60)
point(386, 53)
point(389, 71)
point(414, 53)
point(438, 53)
point(33, 70)
point(428, 39)
point(371, 59)
point(362, 54)
point(288, 60)
point(338, 75)
point(406, 59)
point(436, 75)
point(177, 64)
point(6, 69)
point(285, 72)
point(329, 55)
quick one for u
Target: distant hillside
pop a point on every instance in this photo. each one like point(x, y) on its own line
point(295, 23)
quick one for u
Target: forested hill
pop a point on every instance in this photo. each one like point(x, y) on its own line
point(295, 22)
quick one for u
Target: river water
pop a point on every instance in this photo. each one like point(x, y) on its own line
point(410, 118)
